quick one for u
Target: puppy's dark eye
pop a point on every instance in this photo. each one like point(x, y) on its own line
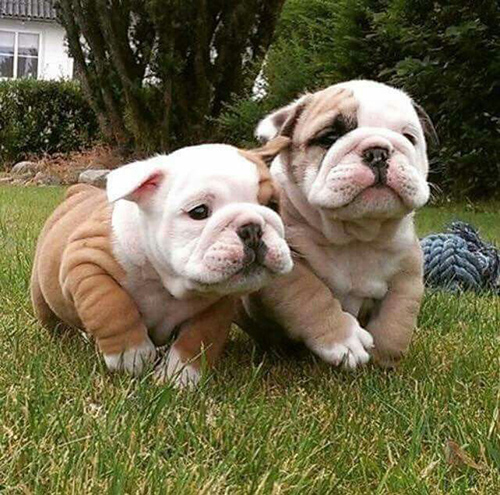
point(199, 212)
point(411, 138)
point(326, 140)
point(329, 136)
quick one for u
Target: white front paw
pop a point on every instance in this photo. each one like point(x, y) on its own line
point(133, 360)
point(173, 369)
point(351, 352)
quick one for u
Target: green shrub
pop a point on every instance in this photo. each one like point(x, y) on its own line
point(446, 55)
point(43, 117)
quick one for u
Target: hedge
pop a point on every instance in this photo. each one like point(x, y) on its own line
point(39, 117)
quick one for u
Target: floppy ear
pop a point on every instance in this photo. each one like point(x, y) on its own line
point(271, 149)
point(268, 194)
point(281, 122)
point(427, 125)
point(137, 182)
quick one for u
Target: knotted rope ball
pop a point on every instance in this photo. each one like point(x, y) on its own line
point(459, 259)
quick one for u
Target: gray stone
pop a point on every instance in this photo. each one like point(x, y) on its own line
point(71, 177)
point(94, 177)
point(23, 168)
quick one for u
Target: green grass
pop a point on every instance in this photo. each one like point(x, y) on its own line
point(260, 423)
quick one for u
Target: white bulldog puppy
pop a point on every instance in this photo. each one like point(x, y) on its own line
point(167, 251)
point(355, 172)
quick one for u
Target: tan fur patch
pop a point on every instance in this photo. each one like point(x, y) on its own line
point(204, 336)
point(300, 300)
point(321, 110)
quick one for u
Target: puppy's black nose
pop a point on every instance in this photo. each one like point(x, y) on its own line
point(376, 156)
point(250, 234)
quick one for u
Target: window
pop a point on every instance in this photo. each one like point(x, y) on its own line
point(19, 54)
point(7, 48)
point(27, 55)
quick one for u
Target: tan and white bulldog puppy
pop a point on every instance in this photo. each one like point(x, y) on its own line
point(167, 250)
point(355, 172)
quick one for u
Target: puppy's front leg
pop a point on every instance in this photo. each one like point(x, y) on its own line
point(202, 337)
point(305, 307)
point(111, 316)
point(393, 326)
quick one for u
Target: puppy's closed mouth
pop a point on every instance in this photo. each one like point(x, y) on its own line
point(252, 265)
point(374, 188)
point(254, 256)
point(253, 262)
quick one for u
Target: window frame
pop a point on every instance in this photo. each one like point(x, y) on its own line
point(17, 32)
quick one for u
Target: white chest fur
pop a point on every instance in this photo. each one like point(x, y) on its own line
point(161, 312)
point(357, 271)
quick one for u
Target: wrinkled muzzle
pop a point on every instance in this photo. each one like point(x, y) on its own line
point(241, 247)
point(371, 172)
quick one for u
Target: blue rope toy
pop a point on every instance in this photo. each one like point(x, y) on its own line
point(459, 259)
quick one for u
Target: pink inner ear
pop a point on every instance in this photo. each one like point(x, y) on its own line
point(148, 187)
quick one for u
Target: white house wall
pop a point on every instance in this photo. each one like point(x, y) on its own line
point(54, 62)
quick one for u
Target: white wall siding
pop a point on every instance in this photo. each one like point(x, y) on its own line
point(54, 62)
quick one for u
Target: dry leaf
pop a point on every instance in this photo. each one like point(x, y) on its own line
point(456, 456)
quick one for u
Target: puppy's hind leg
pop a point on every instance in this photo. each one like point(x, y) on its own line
point(42, 310)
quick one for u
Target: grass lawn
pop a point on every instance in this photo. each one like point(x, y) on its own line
point(259, 424)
